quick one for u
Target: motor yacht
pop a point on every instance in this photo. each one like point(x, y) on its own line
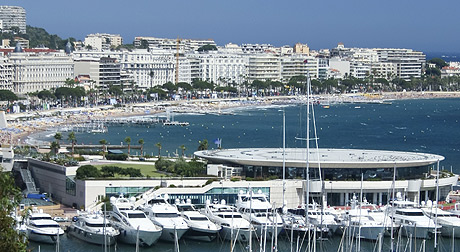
point(166, 216)
point(322, 222)
point(362, 225)
point(40, 227)
point(255, 208)
point(450, 223)
point(93, 228)
point(234, 226)
point(412, 221)
point(134, 226)
point(200, 227)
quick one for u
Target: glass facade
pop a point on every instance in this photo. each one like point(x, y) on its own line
point(337, 174)
point(70, 186)
point(229, 194)
point(126, 191)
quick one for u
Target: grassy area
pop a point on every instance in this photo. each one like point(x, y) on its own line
point(146, 169)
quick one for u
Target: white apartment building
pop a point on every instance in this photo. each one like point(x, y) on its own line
point(339, 68)
point(222, 68)
point(150, 68)
point(103, 41)
point(37, 71)
point(185, 45)
point(408, 63)
point(12, 16)
point(264, 67)
point(256, 48)
point(294, 65)
point(6, 74)
point(105, 71)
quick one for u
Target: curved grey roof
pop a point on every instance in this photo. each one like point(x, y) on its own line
point(328, 158)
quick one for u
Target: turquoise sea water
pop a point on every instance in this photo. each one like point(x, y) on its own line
point(431, 126)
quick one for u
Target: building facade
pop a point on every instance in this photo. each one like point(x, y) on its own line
point(12, 16)
point(103, 41)
point(35, 71)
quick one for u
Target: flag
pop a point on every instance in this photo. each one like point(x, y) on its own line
point(217, 141)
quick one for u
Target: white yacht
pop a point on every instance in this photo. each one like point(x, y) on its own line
point(40, 227)
point(362, 225)
point(93, 228)
point(412, 220)
point(133, 225)
point(166, 216)
point(232, 222)
point(448, 221)
point(200, 227)
point(256, 209)
point(294, 225)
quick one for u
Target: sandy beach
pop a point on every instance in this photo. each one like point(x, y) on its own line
point(21, 125)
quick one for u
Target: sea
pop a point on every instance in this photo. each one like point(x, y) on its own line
point(422, 125)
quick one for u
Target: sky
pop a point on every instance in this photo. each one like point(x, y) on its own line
point(429, 26)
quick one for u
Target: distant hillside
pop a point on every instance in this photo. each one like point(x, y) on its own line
point(38, 37)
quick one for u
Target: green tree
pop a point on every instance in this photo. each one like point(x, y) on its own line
point(46, 95)
point(128, 141)
point(10, 196)
point(158, 145)
point(203, 145)
point(141, 142)
point(73, 139)
point(7, 95)
point(207, 47)
point(182, 148)
point(115, 91)
point(55, 146)
point(87, 171)
point(58, 137)
point(104, 143)
point(440, 63)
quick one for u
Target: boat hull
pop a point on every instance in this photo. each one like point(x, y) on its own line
point(95, 238)
point(238, 234)
point(201, 234)
point(146, 238)
point(169, 235)
point(41, 237)
point(269, 230)
point(417, 232)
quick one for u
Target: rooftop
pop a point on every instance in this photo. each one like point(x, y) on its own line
point(328, 158)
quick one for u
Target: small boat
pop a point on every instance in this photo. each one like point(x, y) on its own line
point(40, 227)
point(200, 227)
point(448, 221)
point(93, 228)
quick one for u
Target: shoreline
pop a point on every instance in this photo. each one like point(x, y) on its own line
point(40, 121)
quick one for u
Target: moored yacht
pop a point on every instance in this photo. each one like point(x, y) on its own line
point(133, 225)
point(412, 220)
point(200, 227)
point(232, 222)
point(40, 227)
point(255, 208)
point(166, 216)
point(362, 225)
point(450, 223)
point(93, 228)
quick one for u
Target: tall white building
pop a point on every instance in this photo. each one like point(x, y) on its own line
point(12, 16)
point(408, 63)
point(221, 68)
point(294, 66)
point(185, 45)
point(6, 74)
point(37, 71)
point(104, 71)
point(103, 41)
point(150, 68)
point(264, 67)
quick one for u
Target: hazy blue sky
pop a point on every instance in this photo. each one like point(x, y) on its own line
point(423, 25)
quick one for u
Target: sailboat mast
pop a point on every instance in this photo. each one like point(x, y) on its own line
point(307, 176)
point(284, 160)
point(436, 209)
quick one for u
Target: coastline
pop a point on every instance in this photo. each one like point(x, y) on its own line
point(25, 124)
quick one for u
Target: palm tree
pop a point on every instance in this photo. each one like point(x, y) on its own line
point(158, 145)
point(128, 141)
point(203, 145)
point(141, 142)
point(73, 140)
point(103, 142)
point(58, 136)
point(182, 147)
point(54, 146)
